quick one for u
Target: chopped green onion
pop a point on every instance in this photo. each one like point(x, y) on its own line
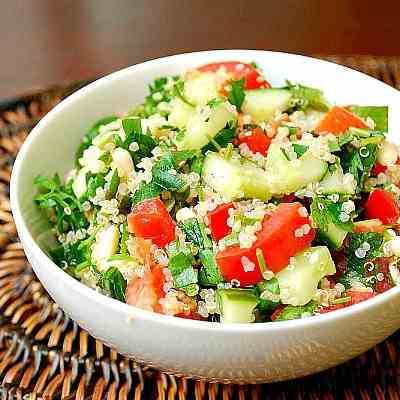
point(261, 260)
point(341, 300)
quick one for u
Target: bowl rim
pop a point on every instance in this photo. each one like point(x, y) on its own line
point(150, 316)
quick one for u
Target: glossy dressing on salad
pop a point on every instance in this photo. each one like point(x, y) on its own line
point(222, 198)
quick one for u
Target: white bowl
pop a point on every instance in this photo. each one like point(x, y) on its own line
point(230, 353)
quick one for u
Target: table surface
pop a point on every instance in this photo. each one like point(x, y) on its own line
point(48, 42)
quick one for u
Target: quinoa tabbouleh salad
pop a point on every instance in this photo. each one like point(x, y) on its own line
point(221, 198)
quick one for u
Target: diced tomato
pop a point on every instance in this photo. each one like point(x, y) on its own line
point(277, 241)
point(218, 221)
point(288, 198)
point(238, 70)
point(378, 169)
point(369, 225)
point(146, 292)
point(278, 311)
point(381, 204)
point(338, 120)
point(257, 142)
point(356, 297)
point(150, 220)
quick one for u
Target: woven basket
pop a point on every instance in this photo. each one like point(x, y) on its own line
point(45, 355)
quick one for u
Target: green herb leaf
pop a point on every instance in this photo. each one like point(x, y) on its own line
point(179, 90)
point(60, 203)
point(209, 274)
point(236, 94)
point(222, 138)
point(371, 242)
point(359, 162)
point(272, 286)
point(90, 135)
point(305, 97)
point(133, 131)
point(113, 185)
point(113, 282)
point(379, 114)
point(182, 270)
point(146, 191)
point(195, 233)
point(296, 312)
point(299, 149)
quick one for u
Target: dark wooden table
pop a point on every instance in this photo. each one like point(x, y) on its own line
point(44, 42)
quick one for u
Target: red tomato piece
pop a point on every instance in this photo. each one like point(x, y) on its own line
point(369, 225)
point(381, 204)
point(257, 142)
point(378, 169)
point(356, 297)
point(288, 198)
point(277, 241)
point(150, 219)
point(218, 221)
point(238, 70)
point(146, 292)
point(338, 120)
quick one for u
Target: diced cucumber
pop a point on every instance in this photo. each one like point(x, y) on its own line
point(180, 113)
point(205, 124)
point(299, 281)
point(236, 305)
point(379, 114)
point(222, 175)
point(333, 236)
point(286, 177)
point(235, 180)
point(264, 104)
point(201, 88)
point(335, 182)
point(106, 244)
point(79, 185)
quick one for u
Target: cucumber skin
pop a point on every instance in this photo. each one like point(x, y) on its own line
point(299, 283)
point(234, 180)
point(286, 178)
point(236, 305)
point(333, 237)
point(264, 104)
point(199, 132)
point(379, 114)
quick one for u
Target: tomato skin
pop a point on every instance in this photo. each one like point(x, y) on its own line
point(378, 169)
point(381, 204)
point(145, 292)
point(356, 297)
point(150, 219)
point(276, 240)
point(257, 142)
point(218, 221)
point(253, 79)
point(370, 225)
point(338, 120)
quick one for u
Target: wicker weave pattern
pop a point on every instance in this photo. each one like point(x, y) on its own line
point(44, 354)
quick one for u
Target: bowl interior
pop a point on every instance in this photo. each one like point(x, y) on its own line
point(52, 144)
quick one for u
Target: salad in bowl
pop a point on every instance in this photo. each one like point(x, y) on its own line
point(221, 198)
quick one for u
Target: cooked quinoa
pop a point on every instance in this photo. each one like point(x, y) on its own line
point(221, 198)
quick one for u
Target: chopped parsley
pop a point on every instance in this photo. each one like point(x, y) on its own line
point(236, 94)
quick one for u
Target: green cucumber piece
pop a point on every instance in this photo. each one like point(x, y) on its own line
point(180, 113)
point(264, 104)
point(379, 114)
point(222, 175)
point(201, 88)
point(333, 236)
point(333, 182)
point(204, 125)
point(234, 179)
point(286, 178)
point(236, 305)
point(299, 281)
